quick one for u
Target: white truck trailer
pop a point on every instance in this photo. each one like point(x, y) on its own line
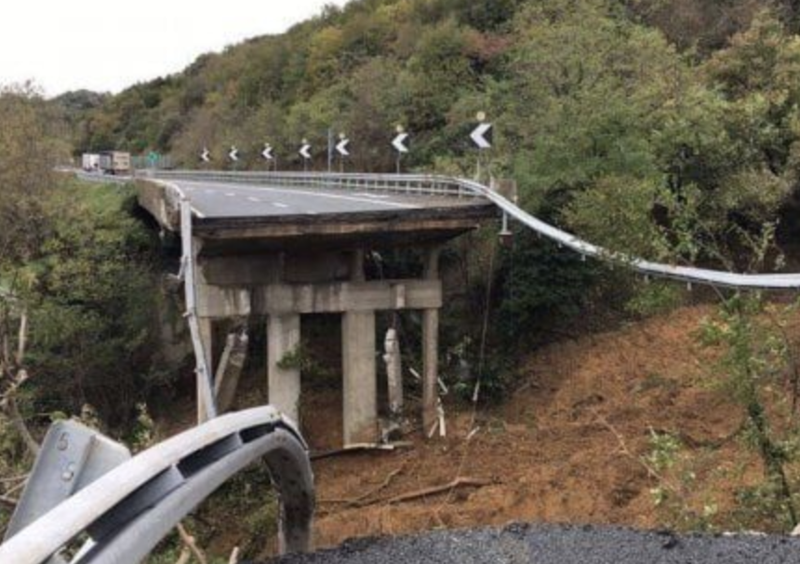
point(90, 162)
point(115, 162)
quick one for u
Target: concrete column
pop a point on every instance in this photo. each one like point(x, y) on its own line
point(360, 381)
point(283, 337)
point(430, 348)
point(394, 375)
point(206, 326)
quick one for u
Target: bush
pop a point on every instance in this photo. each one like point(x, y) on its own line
point(93, 306)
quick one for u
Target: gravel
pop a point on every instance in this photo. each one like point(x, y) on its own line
point(553, 544)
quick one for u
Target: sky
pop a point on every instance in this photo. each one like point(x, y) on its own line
point(106, 46)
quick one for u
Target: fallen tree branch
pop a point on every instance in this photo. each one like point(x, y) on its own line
point(184, 557)
point(19, 424)
point(190, 543)
point(9, 502)
point(435, 490)
point(360, 500)
point(361, 447)
point(623, 446)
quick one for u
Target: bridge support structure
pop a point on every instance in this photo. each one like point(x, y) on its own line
point(283, 286)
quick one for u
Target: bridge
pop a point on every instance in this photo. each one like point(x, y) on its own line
point(282, 245)
point(277, 245)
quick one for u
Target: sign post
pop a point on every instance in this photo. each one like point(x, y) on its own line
point(233, 155)
point(305, 152)
point(400, 143)
point(482, 136)
point(268, 156)
point(341, 148)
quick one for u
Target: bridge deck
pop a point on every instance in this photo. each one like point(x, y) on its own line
point(229, 215)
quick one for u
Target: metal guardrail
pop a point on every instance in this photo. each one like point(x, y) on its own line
point(437, 185)
point(408, 184)
point(129, 509)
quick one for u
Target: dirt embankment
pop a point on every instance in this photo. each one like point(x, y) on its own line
point(565, 448)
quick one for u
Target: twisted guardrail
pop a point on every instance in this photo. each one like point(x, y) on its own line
point(126, 511)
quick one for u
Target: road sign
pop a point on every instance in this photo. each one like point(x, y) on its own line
point(482, 136)
point(400, 142)
point(341, 147)
point(267, 152)
point(234, 154)
point(305, 150)
point(205, 156)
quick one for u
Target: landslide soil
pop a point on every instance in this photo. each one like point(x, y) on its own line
point(566, 447)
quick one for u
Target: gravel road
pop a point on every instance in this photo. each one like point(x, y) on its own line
point(552, 544)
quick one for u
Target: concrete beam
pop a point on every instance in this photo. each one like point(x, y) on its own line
point(335, 297)
point(360, 381)
point(283, 337)
point(274, 268)
point(360, 226)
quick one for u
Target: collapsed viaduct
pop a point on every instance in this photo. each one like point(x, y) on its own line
point(279, 246)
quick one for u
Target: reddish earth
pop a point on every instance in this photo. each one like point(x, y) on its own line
point(566, 447)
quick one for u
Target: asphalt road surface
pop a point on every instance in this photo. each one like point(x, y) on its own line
point(228, 200)
point(552, 544)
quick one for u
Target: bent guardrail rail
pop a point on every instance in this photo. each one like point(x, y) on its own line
point(438, 185)
point(129, 509)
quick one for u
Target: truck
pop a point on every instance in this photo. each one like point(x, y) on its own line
point(115, 162)
point(90, 162)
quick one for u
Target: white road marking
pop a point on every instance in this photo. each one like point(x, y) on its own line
point(316, 194)
point(279, 205)
point(230, 194)
point(252, 199)
point(375, 196)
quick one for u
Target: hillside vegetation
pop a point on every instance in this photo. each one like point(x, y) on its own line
point(603, 108)
point(665, 128)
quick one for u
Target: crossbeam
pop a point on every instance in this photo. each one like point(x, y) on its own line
point(217, 302)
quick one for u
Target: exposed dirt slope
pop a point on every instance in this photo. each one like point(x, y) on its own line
point(566, 448)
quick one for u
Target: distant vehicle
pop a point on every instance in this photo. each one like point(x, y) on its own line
point(115, 162)
point(90, 162)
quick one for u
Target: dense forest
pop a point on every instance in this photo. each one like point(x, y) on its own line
point(597, 103)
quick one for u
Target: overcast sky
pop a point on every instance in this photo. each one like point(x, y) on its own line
point(107, 45)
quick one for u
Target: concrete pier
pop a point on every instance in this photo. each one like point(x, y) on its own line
point(282, 287)
point(283, 384)
point(360, 382)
